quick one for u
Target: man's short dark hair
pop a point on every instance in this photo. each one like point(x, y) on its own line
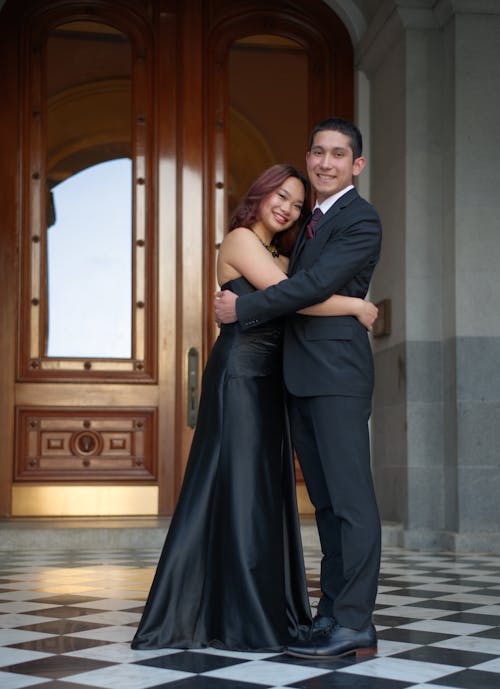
point(337, 124)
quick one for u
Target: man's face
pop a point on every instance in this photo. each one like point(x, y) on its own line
point(330, 164)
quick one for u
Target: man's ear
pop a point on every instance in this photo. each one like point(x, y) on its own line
point(358, 166)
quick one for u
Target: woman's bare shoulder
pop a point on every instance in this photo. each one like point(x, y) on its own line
point(237, 234)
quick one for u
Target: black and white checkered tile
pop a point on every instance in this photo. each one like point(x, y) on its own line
point(66, 620)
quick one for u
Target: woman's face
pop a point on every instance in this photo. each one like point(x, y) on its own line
point(281, 208)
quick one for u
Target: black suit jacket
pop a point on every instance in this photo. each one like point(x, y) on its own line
point(328, 355)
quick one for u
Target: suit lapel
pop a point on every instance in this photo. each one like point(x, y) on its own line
point(297, 248)
point(324, 228)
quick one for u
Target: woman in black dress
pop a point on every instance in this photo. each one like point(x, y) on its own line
point(231, 572)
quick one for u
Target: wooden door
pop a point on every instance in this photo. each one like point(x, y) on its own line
point(97, 259)
point(125, 134)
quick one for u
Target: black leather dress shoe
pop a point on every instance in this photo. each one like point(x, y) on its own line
point(339, 641)
point(321, 625)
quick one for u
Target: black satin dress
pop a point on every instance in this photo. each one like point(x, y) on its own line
point(231, 572)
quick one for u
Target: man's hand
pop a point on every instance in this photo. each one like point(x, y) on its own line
point(225, 307)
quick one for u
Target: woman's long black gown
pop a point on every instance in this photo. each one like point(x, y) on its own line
point(231, 572)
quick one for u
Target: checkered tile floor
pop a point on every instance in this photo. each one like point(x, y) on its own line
point(66, 620)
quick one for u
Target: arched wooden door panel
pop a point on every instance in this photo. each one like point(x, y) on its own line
point(84, 402)
point(328, 88)
point(101, 424)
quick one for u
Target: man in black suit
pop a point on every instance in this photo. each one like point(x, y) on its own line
point(328, 372)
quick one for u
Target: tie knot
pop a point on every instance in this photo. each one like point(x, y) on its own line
point(318, 213)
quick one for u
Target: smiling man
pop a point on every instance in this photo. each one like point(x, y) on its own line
point(328, 372)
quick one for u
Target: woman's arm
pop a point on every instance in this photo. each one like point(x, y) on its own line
point(242, 253)
point(339, 305)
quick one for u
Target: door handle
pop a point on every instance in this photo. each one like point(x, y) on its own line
point(192, 386)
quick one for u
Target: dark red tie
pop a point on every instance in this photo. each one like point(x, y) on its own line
point(313, 222)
